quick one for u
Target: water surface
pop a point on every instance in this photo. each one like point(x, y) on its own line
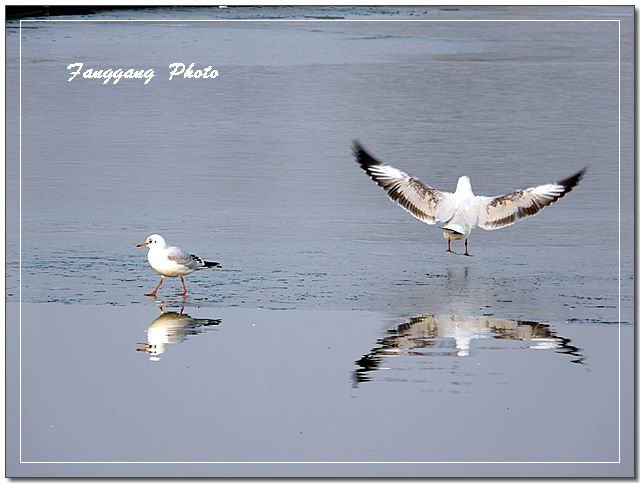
point(339, 328)
point(237, 384)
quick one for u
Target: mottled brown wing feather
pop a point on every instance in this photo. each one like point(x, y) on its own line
point(422, 201)
point(504, 210)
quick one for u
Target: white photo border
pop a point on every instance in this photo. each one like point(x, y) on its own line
point(21, 461)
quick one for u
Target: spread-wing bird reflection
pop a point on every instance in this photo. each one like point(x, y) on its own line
point(172, 328)
point(451, 335)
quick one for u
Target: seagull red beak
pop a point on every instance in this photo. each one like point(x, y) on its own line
point(143, 244)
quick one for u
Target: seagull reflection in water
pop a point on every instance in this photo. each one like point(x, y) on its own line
point(451, 335)
point(172, 328)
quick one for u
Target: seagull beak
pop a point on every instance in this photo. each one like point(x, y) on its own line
point(144, 244)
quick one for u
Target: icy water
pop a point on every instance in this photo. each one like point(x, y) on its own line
point(339, 329)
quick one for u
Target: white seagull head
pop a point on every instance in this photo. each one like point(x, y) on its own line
point(153, 241)
point(464, 186)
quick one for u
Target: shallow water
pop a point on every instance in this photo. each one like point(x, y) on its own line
point(235, 384)
point(339, 329)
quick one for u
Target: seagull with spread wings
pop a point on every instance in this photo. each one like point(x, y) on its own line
point(461, 211)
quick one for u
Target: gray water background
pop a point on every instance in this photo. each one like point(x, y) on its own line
point(253, 169)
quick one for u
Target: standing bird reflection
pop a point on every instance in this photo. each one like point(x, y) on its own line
point(172, 328)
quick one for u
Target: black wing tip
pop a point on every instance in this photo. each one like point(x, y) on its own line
point(212, 264)
point(572, 181)
point(363, 158)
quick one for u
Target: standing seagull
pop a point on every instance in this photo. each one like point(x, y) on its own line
point(461, 211)
point(172, 261)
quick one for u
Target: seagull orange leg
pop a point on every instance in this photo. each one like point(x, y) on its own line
point(466, 250)
point(184, 287)
point(155, 290)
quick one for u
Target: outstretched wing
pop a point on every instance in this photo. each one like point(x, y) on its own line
point(500, 211)
point(422, 201)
